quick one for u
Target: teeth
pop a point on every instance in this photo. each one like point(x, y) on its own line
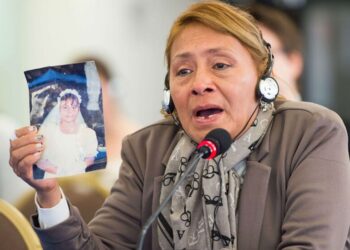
point(205, 117)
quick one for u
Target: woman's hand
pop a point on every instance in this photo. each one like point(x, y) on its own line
point(47, 166)
point(25, 151)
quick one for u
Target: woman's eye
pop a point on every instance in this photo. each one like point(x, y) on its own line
point(221, 66)
point(183, 72)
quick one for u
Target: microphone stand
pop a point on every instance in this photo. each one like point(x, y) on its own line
point(150, 220)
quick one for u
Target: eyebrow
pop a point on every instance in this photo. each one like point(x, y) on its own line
point(182, 56)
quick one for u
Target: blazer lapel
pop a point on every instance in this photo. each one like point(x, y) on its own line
point(252, 205)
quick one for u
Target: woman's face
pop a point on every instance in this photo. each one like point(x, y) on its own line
point(212, 81)
point(69, 110)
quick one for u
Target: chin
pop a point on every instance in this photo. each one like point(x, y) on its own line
point(198, 136)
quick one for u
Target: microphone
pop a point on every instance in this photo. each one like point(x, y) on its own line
point(216, 142)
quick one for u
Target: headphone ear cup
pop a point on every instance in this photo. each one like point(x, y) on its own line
point(167, 103)
point(267, 89)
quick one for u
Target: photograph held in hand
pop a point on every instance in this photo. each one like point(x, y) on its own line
point(66, 108)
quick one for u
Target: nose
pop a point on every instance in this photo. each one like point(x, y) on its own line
point(202, 83)
point(70, 110)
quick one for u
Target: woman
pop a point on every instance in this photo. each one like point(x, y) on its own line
point(283, 183)
point(70, 146)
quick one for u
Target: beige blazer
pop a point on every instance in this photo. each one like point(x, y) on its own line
point(296, 191)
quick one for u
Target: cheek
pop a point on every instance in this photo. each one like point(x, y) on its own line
point(62, 112)
point(76, 112)
point(180, 108)
point(179, 97)
point(240, 94)
point(178, 101)
point(241, 100)
point(181, 100)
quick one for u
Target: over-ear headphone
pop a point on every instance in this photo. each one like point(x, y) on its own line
point(267, 88)
point(167, 103)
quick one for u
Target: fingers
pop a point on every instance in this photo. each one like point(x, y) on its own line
point(24, 136)
point(25, 130)
point(25, 150)
point(24, 168)
point(26, 140)
point(20, 153)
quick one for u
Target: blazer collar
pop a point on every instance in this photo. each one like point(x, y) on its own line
point(263, 148)
point(170, 149)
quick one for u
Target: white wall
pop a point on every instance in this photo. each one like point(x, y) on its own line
point(129, 34)
point(9, 58)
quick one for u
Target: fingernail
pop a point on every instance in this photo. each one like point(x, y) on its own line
point(39, 145)
point(39, 137)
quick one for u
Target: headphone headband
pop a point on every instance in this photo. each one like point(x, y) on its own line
point(166, 81)
point(270, 60)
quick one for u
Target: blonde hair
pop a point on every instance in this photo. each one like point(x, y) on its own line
point(226, 19)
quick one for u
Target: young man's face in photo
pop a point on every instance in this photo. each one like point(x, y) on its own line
point(69, 110)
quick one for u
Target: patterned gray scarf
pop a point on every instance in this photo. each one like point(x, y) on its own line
point(202, 212)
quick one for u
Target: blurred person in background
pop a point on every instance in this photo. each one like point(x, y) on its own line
point(116, 124)
point(281, 32)
point(286, 41)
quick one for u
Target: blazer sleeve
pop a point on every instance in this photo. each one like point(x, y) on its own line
point(115, 226)
point(317, 211)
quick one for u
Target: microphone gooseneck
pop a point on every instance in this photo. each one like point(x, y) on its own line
point(215, 143)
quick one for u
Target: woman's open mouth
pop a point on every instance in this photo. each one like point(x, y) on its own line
point(207, 114)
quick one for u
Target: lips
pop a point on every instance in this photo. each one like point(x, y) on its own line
point(207, 112)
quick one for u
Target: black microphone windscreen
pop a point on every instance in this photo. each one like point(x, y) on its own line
point(221, 138)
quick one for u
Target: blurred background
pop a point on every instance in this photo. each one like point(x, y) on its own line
point(130, 36)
